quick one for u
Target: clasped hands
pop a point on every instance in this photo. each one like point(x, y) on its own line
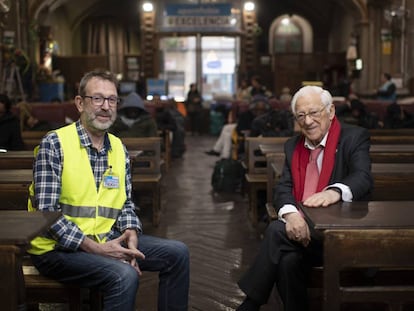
point(123, 248)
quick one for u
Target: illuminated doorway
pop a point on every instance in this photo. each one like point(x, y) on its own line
point(209, 61)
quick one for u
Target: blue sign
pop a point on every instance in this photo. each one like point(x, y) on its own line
point(156, 87)
point(218, 9)
point(206, 17)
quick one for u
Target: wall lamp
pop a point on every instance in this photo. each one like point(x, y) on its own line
point(147, 7)
point(249, 6)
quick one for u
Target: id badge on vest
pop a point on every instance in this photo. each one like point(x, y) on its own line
point(111, 180)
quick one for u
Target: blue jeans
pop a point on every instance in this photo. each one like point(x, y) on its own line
point(117, 281)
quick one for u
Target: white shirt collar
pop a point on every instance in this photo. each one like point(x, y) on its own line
point(309, 145)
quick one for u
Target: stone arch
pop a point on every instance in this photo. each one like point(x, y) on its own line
point(304, 26)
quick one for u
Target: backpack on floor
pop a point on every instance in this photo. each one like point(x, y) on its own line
point(227, 175)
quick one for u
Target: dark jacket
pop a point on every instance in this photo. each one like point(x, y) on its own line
point(164, 119)
point(10, 136)
point(193, 102)
point(133, 119)
point(352, 166)
point(144, 126)
point(273, 124)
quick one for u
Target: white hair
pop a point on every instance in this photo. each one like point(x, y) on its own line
point(326, 97)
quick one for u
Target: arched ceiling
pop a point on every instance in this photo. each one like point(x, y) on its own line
point(77, 10)
point(312, 9)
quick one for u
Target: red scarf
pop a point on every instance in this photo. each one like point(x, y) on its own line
point(301, 158)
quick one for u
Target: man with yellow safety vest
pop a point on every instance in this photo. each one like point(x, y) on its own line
point(84, 172)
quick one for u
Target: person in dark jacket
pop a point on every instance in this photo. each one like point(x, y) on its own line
point(178, 140)
point(275, 123)
point(290, 245)
point(194, 109)
point(10, 135)
point(133, 119)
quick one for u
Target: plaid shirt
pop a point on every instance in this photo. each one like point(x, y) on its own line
point(47, 176)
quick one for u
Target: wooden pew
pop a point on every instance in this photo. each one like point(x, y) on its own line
point(15, 180)
point(392, 139)
point(256, 163)
point(382, 153)
point(38, 288)
point(16, 160)
point(387, 250)
point(146, 169)
point(393, 181)
point(392, 132)
point(259, 177)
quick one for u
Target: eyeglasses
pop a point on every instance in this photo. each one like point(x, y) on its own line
point(98, 100)
point(314, 115)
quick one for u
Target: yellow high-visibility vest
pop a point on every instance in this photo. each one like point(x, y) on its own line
point(94, 212)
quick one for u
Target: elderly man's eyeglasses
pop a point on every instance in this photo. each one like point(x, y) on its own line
point(314, 115)
point(98, 100)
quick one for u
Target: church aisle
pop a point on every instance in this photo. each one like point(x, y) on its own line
point(215, 227)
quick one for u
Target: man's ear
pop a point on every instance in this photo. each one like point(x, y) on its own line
point(79, 103)
point(332, 112)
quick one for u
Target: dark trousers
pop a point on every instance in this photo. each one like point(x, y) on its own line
point(285, 263)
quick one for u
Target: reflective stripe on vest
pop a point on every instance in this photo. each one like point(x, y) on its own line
point(94, 212)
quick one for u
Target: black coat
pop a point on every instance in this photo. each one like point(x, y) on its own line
point(352, 166)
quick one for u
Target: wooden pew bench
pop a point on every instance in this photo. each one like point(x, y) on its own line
point(29, 287)
point(389, 251)
point(256, 163)
point(260, 176)
point(369, 264)
point(146, 169)
point(16, 160)
point(397, 153)
point(392, 132)
point(393, 181)
point(41, 289)
point(392, 139)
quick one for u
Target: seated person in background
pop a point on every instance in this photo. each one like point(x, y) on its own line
point(224, 143)
point(33, 124)
point(341, 170)
point(10, 134)
point(133, 119)
point(285, 96)
point(243, 91)
point(167, 119)
point(388, 90)
point(354, 112)
point(396, 117)
point(163, 117)
point(84, 172)
point(257, 88)
point(259, 106)
point(274, 123)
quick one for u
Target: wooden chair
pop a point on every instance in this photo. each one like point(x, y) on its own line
point(382, 249)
